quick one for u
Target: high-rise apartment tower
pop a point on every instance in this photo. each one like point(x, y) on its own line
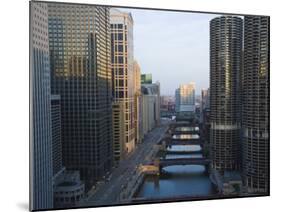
point(255, 107)
point(225, 69)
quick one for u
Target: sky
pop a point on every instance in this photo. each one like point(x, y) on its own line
point(173, 47)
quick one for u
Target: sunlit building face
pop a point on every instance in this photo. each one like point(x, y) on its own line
point(79, 40)
point(122, 60)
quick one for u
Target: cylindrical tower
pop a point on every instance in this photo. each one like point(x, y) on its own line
point(255, 122)
point(225, 67)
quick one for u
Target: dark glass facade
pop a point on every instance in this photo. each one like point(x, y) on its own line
point(41, 170)
point(56, 134)
point(79, 40)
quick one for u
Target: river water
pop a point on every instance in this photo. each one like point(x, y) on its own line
point(178, 180)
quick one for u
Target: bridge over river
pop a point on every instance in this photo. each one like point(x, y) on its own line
point(186, 177)
point(183, 161)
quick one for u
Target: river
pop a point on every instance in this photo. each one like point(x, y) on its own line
point(178, 180)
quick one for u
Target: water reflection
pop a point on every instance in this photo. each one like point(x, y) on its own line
point(187, 180)
point(172, 156)
point(187, 148)
point(179, 180)
point(187, 129)
point(186, 136)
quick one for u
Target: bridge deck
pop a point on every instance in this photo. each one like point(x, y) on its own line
point(183, 152)
point(184, 142)
point(184, 161)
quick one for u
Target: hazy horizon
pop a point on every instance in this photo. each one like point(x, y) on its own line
point(173, 47)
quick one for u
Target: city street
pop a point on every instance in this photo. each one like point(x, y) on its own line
point(108, 192)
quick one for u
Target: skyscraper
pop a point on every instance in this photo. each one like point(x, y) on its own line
point(137, 101)
point(79, 40)
point(41, 170)
point(177, 100)
point(225, 67)
point(255, 107)
point(205, 99)
point(185, 98)
point(122, 60)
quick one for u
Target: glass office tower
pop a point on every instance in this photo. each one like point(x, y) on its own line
point(79, 39)
point(41, 170)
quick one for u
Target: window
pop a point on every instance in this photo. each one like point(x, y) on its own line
point(120, 36)
point(121, 71)
point(120, 48)
point(120, 59)
point(120, 94)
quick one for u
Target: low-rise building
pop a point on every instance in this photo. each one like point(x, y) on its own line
point(68, 190)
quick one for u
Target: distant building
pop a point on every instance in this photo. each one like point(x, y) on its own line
point(205, 99)
point(146, 78)
point(157, 85)
point(177, 100)
point(122, 61)
point(185, 98)
point(137, 102)
point(255, 104)
point(225, 69)
point(41, 169)
point(205, 115)
point(150, 106)
point(167, 103)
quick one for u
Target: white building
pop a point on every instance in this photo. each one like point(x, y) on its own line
point(150, 106)
point(185, 98)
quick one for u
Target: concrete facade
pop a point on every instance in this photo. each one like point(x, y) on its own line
point(255, 104)
point(225, 69)
point(150, 106)
point(122, 61)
